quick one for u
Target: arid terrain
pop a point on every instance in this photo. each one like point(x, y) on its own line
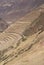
point(12, 10)
point(22, 43)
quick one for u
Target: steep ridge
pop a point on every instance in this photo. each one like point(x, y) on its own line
point(23, 42)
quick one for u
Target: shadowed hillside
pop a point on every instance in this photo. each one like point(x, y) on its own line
point(37, 25)
point(12, 10)
point(3, 25)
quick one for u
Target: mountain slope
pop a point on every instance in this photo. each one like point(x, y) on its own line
point(12, 10)
point(23, 42)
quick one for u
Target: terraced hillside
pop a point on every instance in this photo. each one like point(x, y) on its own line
point(18, 28)
point(23, 42)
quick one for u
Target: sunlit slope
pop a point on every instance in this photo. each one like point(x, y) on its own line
point(23, 42)
point(29, 52)
point(15, 32)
